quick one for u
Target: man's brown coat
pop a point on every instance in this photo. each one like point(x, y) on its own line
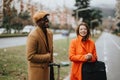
point(37, 55)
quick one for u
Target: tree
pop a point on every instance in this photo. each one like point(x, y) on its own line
point(88, 14)
point(12, 19)
point(85, 14)
point(18, 21)
point(96, 16)
point(7, 14)
point(118, 24)
point(25, 16)
point(82, 3)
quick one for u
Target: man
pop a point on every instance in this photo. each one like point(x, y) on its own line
point(40, 48)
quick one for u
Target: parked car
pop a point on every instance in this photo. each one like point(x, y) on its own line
point(65, 32)
point(2, 30)
point(28, 29)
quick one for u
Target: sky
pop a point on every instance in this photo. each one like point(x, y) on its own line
point(102, 3)
point(56, 3)
point(70, 3)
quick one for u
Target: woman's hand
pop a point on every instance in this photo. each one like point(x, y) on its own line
point(88, 56)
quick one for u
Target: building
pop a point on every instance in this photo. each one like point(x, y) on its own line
point(58, 16)
point(1, 12)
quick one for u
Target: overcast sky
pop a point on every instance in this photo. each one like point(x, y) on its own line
point(100, 3)
point(70, 3)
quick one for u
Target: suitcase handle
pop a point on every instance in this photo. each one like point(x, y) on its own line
point(58, 65)
point(54, 64)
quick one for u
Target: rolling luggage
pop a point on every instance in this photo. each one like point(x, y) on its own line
point(52, 71)
point(94, 71)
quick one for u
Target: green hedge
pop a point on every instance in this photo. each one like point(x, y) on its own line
point(12, 35)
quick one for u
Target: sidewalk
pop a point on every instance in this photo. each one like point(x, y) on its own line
point(67, 78)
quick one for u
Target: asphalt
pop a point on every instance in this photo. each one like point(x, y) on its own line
point(17, 41)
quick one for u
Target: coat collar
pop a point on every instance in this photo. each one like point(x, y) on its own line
point(83, 44)
point(42, 35)
point(80, 38)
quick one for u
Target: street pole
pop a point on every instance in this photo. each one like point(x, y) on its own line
point(79, 10)
point(91, 22)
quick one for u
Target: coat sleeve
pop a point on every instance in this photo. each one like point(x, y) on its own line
point(73, 56)
point(32, 54)
point(51, 51)
point(94, 57)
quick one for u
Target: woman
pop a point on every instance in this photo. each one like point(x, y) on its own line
point(82, 49)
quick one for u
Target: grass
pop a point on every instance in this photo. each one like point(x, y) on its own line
point(61, 49)
point(13, 64)
point(12, 35)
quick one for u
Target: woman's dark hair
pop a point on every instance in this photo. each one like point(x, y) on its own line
point(88, 31)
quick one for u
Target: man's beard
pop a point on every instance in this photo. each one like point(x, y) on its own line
point(46, 26)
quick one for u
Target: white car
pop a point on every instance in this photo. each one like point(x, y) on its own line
point(2, 30)
point(28, 29)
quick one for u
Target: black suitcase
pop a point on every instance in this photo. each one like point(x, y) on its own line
point(94, 71)
point(52, 71)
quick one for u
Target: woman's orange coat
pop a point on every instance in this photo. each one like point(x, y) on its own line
point(77, 52)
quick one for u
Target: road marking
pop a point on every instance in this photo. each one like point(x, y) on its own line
point(105, 58)
point(105, 52)
point(106, 68)
point(115, 43)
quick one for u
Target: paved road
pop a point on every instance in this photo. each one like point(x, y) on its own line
point(16, 41)
point(108, 50)
point(9, 42)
